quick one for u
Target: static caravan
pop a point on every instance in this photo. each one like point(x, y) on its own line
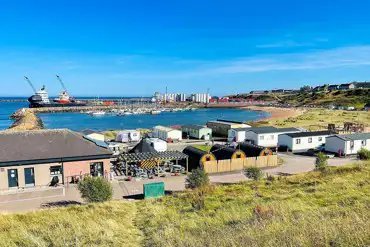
point(221, 127)
point(267, 136)
point(237, 134)
point(197, 131)
point(167, 134)
point(347, 144)
point(303, 141)
point(128, 136)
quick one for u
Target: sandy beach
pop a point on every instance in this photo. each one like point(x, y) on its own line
point(276, 112)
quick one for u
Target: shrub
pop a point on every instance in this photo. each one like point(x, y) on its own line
point(321, 162)
point(363, 154)
point(254, 173)
point(198, 178)
point(95, 189)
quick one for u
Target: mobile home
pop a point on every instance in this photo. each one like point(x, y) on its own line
point(197, 131)
point(166, 133)
point(267, 136)
point(303, 141)
point(347, 144)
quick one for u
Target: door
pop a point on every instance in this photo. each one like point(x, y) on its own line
point(29, 177)
point(12, 178)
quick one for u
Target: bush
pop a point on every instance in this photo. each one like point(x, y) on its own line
point(363, 154)
point(95, 189)
point(198, 178)
point(254, 173)
point(321, 162)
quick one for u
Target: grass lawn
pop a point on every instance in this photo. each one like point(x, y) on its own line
point(203, 147)
point(314, 209)
point(316, 119)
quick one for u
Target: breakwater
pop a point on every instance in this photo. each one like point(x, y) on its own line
point(25, 120)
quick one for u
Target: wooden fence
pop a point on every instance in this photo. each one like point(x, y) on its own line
point(239, 164)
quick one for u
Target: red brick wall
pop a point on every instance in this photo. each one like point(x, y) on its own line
point(77, 168)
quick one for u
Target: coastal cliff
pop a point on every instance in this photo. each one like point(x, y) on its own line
point(25, 120)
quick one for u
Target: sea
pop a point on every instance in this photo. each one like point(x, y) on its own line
point(79, 121)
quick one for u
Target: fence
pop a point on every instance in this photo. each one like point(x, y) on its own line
point(239, 164)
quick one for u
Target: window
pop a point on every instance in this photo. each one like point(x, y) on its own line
point(96, 169)
point(238, 156)
point(262, 138)
point(363, 142)
point(298, 141)
point(55, 170)
point(208, 158)
point(271, 137)
point(310, 140)
point(352, 144)
point(320, 139)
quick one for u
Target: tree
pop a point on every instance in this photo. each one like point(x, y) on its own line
point(197, 179)
point(254, 173)
point(95, 189)
point(321, 162)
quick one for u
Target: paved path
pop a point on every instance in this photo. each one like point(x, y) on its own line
point(294, 164)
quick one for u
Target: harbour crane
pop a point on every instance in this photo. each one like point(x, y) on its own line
point(30, 83)
point(61, 83)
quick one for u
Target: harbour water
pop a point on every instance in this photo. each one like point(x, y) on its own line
point(78, 121)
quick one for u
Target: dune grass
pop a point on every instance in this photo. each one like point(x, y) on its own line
point(331, 208)
point(105, 224)
point(317, 209)
point(316, 119)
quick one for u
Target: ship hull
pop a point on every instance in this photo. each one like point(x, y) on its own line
point(54, 104)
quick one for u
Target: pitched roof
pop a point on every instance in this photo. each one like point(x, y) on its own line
point(270, 129)
point(89, 132)
point(31, 146)
point(143, 147)
point(163, 128)
point(309, 133)
point(353, 137)
point(194, 126)
point(242, 129)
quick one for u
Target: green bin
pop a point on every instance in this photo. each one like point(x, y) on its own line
point(153, 190)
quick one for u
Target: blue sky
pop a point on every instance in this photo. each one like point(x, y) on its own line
point(126, 48)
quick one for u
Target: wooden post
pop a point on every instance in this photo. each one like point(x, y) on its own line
point(126, 169)
point(187, 165)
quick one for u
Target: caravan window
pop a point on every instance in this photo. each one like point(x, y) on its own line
point(363, 142)
point(310, 140)
point(262, 137)
point(352, 144)
point(298, 141)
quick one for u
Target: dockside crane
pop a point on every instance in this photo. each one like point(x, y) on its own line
point(30, 83)
point(61, 83)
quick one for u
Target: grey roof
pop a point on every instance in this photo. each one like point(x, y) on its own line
point(143, 147)
point(270, 129)
point(242, 129)
point(353, 137)
point(37, 145)
point(309, 133)
point(89, 132)
point(194, 126)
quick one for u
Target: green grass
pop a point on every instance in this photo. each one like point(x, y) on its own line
point(203, 147)
point(314, 209)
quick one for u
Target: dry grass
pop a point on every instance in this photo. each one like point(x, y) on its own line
point(317, 209)
point(315, 119)
point(107, 224)
point(314, 209)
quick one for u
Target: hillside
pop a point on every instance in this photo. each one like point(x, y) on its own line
point(314, 209)
point(357, 98)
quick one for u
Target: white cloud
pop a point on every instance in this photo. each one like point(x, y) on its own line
point(319, 59)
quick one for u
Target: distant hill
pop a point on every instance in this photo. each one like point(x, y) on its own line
point(357, 97)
